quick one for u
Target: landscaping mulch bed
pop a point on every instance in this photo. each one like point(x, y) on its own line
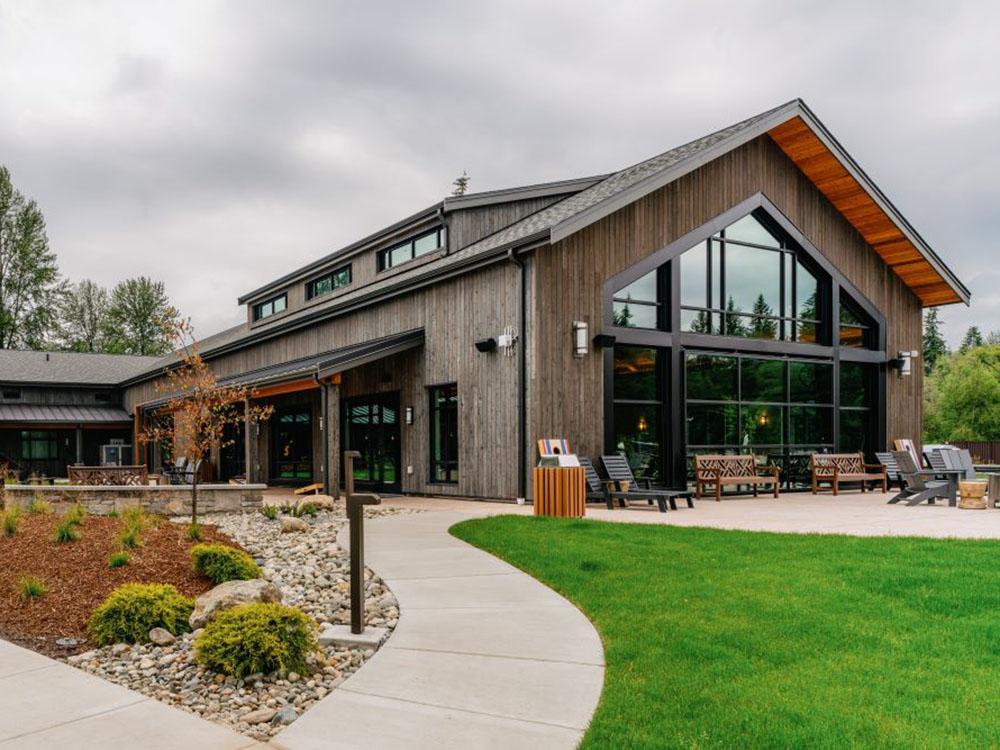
point(78, 577)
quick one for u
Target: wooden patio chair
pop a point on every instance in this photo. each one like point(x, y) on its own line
point(618, 471)
point(917, 488)
point(891, 471)
point(596, 489)
point(905, 444)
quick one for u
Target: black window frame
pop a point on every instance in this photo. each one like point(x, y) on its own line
point(383, 258)
point(48, 438)
point(788, 322)
point(11, 394)
point(258, 308)
point(330, 276)
point(446, 467)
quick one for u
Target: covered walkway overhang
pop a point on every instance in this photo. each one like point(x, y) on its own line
point(319, 373)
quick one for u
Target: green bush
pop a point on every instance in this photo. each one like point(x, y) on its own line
point(129, 538)
point(252, 638)
point(134, 517)
point(118, 559)
point(66, 531)
point(31, 587)
point(221, 563)
point(269, 511)
point(11, 518)
point(306, 509)
point(194, 532)
point(132, 610)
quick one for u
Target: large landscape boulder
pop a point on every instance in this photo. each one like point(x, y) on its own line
point(229, 594)
point(321, 502)
point(291, 525)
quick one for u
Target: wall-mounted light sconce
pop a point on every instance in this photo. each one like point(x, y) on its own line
point(903, 363)
point(486, 345)
point(643, 425)
point(581, 339)
point(408, 415)
point(604, 340)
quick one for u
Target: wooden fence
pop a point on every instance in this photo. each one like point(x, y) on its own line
point(983, 451)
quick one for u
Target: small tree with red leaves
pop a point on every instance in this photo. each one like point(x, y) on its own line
point(201, 410)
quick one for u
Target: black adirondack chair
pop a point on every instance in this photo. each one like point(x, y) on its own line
point(617, 470)
point(916, 488)
point(597, 491)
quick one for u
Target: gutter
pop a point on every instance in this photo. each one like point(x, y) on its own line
point(324, 400)
point(522, 407)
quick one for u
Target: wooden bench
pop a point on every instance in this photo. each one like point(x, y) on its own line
point(834, 468)
point(736, 470)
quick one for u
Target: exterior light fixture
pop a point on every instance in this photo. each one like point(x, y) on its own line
point(903, 363)
point(581, 339)
point(408, 415)
point(764, 419)
point(643, 424)
point(486, 345)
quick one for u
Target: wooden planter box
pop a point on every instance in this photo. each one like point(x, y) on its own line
point(560, 491)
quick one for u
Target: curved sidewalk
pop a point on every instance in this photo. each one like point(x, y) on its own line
point(483, 656)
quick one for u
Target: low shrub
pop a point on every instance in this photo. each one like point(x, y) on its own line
point(252, 638)
point(11, 518)
point(31, 587)
point(306, 509)
point(118, 559)
point(132, 610)
point(129, 538)
point(37, 504)
point(66, 531)
point(269, 511)
point(76, 515)
point(194, 532)
point(135, 517)
point(112, 513)
point(221, 563)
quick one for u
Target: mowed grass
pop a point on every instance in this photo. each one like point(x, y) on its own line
point(738, 639)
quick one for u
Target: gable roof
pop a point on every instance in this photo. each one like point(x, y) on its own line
point(70, 368)
point(792, 126)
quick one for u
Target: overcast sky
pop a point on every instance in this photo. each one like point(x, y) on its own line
point(216, 146)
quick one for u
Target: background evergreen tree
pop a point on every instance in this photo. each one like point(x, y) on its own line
point(461, 184)
point(83, 317)
point(962, 397)
point(140, 318)
point(734, 325)
point(762, 325)
point(30, 287)
point(934, 343)
point(972, 339)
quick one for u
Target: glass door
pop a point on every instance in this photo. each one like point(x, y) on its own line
point(370, 425)
point(291, 451)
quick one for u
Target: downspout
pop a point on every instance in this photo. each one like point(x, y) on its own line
point(324, 400)
point(522, 406)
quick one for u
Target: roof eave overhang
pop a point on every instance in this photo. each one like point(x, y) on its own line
point(785, 114)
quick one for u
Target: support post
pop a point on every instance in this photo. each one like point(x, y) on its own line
point(79, 445)
point(356, 518)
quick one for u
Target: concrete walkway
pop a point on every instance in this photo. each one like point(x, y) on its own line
point(483, 656)
point(45, 704)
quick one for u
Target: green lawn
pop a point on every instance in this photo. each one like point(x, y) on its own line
point(739, 639)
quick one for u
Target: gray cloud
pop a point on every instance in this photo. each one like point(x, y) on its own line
point(218, 145)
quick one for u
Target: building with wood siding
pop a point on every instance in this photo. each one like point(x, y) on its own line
point(752, 290)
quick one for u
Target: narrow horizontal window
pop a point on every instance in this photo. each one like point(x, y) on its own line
point(270, 307)
point(328, 282)
point(421, 244)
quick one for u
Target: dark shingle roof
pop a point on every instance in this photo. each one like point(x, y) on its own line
point(70, 368)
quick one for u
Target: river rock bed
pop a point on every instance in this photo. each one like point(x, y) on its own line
point(311, 570)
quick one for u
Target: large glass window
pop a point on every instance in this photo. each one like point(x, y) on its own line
point(638, 305)
point(776, 408)
point(857, 389)
point(749, 281)
point(856, 328)
point(328, 282)
point(638, 409)
point(39, 445)
point(270, 307)
point(444, 433)
point(422, 244)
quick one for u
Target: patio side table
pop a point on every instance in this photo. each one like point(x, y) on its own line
point(560, 491)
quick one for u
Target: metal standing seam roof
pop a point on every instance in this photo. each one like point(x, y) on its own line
point(43, 413)
point(567, 216)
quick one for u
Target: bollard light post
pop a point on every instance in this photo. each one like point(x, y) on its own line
point(356, 518)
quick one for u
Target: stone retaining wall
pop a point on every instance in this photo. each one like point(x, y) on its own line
point(168, 500)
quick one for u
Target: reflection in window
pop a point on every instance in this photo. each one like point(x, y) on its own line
point(855, 326)
point(638, 409)
point(857, 389)
point(328, 282)
point(638, 305)
point(414, 247)
point(444, 433)
point(270, 307)
point(749, 283)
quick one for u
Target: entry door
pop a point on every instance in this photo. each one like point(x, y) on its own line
point(291, 449)
point(371, 427)
point(233, 455)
